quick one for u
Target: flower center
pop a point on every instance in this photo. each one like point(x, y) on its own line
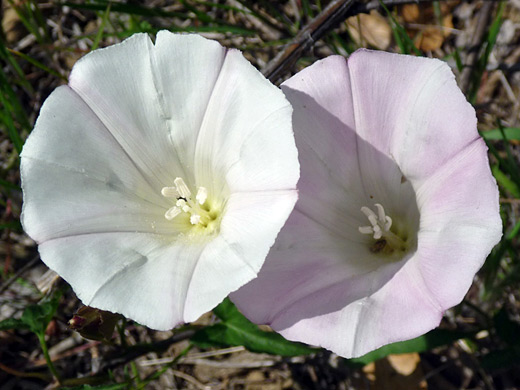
point(200, 213)
point(380, 225)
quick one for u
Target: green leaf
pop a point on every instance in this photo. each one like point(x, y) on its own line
point(237, 330)
point(511, 133)
point(37, 317)
point(11, 323)
point(432, 339)
point(505, 182)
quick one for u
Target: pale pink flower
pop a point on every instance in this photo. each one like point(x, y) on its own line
point(156, 181)
point(397, 208)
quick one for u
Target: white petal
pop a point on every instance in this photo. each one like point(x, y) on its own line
point(246, 140)
point(121, 85)
point(77, 181)
point(250, 225)
point(137, 275)
point(186, 68)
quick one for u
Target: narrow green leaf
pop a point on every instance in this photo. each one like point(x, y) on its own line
point(481, 65)
point(237, 330)
point(405, 43)
point(511, 133)
point(99, 33)
point(432, 339)
point(505, 182)
point(458, 60)
point(38, 64)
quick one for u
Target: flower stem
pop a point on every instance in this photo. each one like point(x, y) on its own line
point(43, 344)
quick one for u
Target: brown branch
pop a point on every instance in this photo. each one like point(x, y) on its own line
point(479, 35)
point(325, 21)
point(335, 13)
point(19, 273)
point(123, 356)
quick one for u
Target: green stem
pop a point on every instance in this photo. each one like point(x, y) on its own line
point(43, 344)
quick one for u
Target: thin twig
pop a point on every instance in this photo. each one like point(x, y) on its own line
point(335, 13)
point(19, 273)
point(325, 21)
point(131, 353)
point(476, 42)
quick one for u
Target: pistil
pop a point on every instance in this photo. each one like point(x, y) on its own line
point(199, 215)
point(380, 228)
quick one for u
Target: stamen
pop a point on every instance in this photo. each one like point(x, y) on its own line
point(182, 188)
point(169, 192)
point(366, 229)
point(187, 204)
point(381, 224)
point(202, 195)
point(380, 212)
point(172, 213)
point(183, 205)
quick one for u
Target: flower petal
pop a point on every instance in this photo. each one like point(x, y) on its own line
point(320, 283)
point(250, 225)
point(137, 118)
point(411, 109)
point(78, 182)
point(141, 276)
point(244, 116)
point(401, 309)
point(329, 165)
point(154, 108)
point(459, 220)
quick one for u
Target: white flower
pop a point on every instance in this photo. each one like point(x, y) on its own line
point(156, 181)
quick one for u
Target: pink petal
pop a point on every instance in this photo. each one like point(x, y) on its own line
point(397, 131)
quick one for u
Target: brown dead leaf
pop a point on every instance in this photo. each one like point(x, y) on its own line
point(411, 13)
point(11, 24)
point(372, 29)
point(396, 372)
point(423, 25)
point(404, 364)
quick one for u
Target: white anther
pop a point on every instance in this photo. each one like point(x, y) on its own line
point(365, 210)
point(388, 223)
point(378, 233)
point(202, 195)
point(172, 213)
point(380, 212)
point(366, 229)
point(182, 188)
point(380, 223)
point(194, 219)
point(169, 192)
point(183, 205)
